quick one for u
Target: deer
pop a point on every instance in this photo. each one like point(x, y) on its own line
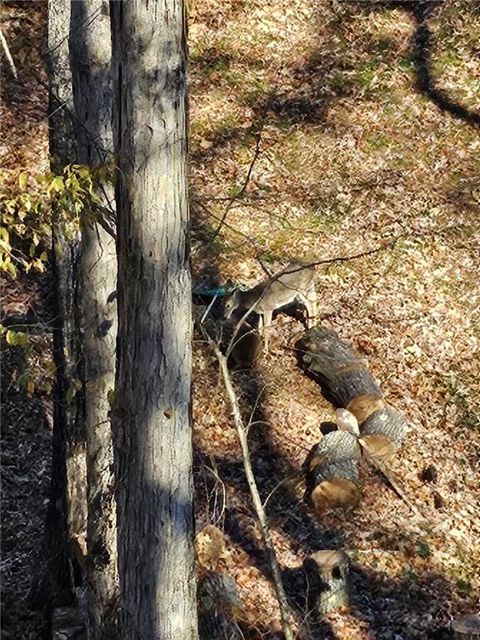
point(294, 284)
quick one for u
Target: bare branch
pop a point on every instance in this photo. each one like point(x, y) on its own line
point(8, 55)
point(241, 193)
point(241, 429)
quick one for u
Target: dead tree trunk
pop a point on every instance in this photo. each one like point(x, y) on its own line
point(66, 518)
point(90, 53)
point(152, 424)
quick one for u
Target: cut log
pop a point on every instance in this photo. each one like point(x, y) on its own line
point(336, 445)
point(334, 486)
point(467, 627)
point(387, 422)
point(362, 407)
point(340, 372)
point(327, 578)
point(331, 472)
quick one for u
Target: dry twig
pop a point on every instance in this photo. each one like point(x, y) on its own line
point(252, 485)
point(8, 55)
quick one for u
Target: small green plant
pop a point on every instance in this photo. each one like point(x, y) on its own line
point(464, 587)
point(423, 549)
point(27, 206)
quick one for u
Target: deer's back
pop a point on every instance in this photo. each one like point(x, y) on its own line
point(275, 293)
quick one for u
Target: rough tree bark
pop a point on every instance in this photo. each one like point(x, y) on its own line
point(66, 518)
point(90, 54)
point(152, 425)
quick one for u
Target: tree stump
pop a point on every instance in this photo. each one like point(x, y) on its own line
point(327, 574)
point(68, 624)
point(467, 627)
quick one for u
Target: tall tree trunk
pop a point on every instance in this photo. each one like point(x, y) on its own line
point(66, 517)
point(152, 424)
point(90, 51)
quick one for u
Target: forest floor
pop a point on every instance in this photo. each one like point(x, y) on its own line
point(319, 129)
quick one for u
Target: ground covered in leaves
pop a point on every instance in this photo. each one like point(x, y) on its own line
point(323, 129)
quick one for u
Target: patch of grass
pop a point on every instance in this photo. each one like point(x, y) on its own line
point(448, 58)
point(378, 141)
point(423, 549)
point(407, 63)
point(464, 588)
point(459, 395)
point(258, 91)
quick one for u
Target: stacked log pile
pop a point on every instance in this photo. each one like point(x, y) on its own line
point(368, 426)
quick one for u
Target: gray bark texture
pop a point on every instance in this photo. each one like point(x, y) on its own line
point(90, 53)
point(66, 518)
point(152, 423)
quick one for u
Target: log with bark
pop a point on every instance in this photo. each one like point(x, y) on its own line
point(346, 382)
point(370, 427)
point(334, 365)
point(331, 472)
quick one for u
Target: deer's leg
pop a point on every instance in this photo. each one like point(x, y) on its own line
point(312, 312)
point(309, 306)
point(267, 323)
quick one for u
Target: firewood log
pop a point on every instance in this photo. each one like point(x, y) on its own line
point(335, 485)
point(387, 422)
point(340, 372)
point(336, 445)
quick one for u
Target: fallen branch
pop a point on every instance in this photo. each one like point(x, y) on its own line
point(252, 485)
point(388, 475)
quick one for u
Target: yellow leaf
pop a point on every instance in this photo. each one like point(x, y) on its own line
point(22, 181)
point(10, 267)
point(57, 184)
point(30, 387)
point(11, 337)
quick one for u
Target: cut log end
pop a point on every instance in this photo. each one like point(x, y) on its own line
point(364, 406)
point(338, 493)
point(381, 448)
